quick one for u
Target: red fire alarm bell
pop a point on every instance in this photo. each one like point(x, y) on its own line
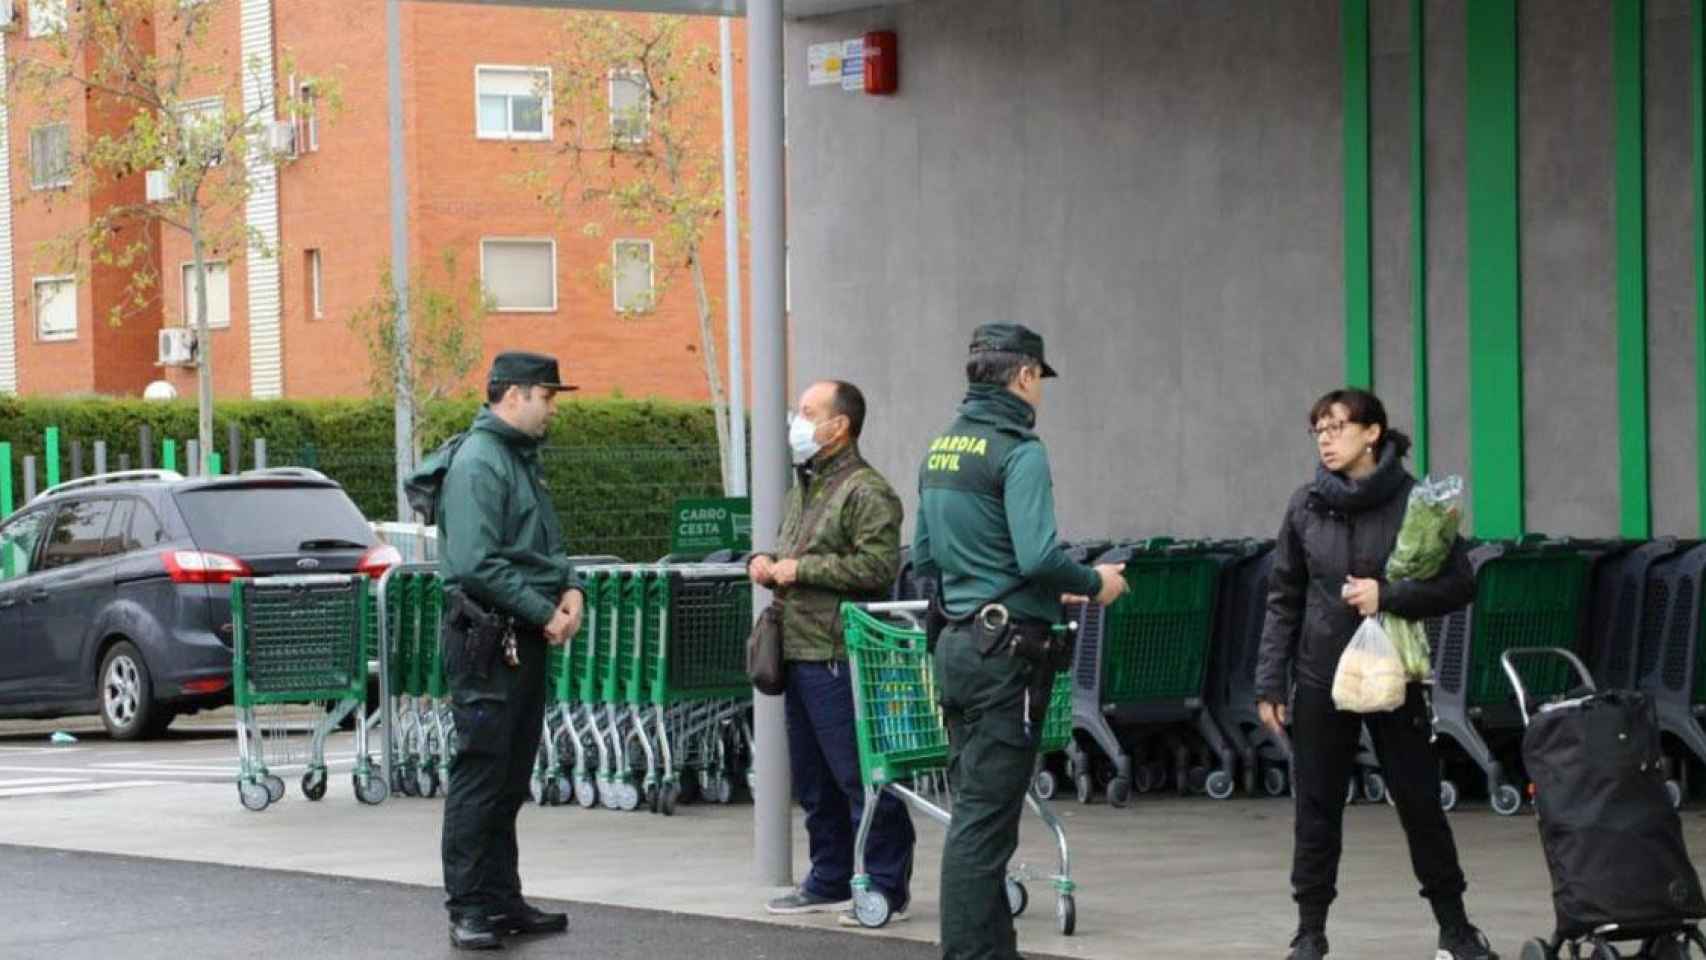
point(882, 63)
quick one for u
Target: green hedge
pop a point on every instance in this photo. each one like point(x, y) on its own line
point(614, 466)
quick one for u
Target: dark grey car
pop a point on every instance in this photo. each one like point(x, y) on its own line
point(115, 592)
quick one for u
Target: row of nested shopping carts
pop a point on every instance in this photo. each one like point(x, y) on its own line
point(1163, 680)
point(648, 704)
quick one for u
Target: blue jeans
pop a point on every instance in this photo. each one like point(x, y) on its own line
point(825, 762)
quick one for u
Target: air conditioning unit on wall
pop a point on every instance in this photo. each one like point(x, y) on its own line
point(281, 138)
point(177, 347)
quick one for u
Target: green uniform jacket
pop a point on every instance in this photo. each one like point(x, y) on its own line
point(499, 539)
point(986, 513)
point(851, 554)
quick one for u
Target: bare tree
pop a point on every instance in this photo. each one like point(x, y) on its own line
point(630, 96)
point(161, 101)
point(446, 315)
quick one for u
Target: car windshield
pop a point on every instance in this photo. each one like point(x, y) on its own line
point(271, 518)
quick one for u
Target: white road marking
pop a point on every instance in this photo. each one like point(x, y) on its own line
point(79, 787)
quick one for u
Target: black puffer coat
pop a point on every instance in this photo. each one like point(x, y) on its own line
point(1336, 527)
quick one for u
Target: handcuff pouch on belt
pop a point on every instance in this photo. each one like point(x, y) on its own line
point(1045, 648)
point(485, 635)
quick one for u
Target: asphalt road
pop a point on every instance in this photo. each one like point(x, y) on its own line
point(69, 906)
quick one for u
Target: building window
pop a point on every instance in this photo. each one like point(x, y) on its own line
point(514, 103)
point(218, 294)
point(520, 275)
point(47, 17)
point(202, 123)
point(631, 275)
point(311, 268)
point(630, 107)
point(306, 116)
point(56, 308)
point(50, 156)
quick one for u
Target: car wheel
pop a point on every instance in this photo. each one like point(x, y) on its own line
point(128, 710)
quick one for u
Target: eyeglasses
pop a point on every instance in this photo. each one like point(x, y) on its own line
point(1330, 430)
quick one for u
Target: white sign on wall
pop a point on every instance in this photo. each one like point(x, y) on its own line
point(838, 62)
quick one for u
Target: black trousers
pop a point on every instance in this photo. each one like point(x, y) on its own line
point(1325, 741)
point(498, 724)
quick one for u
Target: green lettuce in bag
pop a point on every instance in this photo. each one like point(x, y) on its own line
point(1431, 522)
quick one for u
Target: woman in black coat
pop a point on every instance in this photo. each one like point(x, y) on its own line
point(1329, 573)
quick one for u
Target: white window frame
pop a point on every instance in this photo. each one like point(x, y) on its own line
point(189, 108)
point(65, 180)
point(645, 131)
point(616, 271)
point(48, 17)
point(186, 271)
point(316, 277)
point(306, 116)
point(35, 308)
point(555, 292)
point(509, 132)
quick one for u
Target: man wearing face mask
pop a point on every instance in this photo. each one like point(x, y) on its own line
point(986, 534)
point(840, 541)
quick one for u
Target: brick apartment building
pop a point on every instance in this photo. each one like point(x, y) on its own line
point(474, 120)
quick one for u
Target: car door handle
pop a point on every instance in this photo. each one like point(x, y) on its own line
point(37, 596)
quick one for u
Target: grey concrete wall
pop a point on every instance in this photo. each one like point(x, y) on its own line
point(1156, 186)
point(1670, 270)
point(1153, 186)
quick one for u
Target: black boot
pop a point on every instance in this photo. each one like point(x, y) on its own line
point(530, 919)
point(1308, 945)
point(474, 933)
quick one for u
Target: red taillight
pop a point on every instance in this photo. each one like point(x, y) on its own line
point(375, 562)
point(212, 685)
point(199, 566)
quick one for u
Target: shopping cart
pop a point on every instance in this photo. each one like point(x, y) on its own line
point(901, 736)
point(299, 640)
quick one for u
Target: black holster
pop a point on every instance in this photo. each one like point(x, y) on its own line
point(482, 630)
point(1048, 651)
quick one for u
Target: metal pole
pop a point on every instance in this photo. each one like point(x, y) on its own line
point(731, 258)
point(100, 457)
point(260, 453)
point(405, 420)
point(772, 815)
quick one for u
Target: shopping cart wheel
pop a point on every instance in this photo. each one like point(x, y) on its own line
point(1604, 951)
point(653, 798)
point(254, 796)
point(1447, 796)
point(1086, 790)
point(1119, 791)
point(871, 908)
point(1671, 946)
point(1351, 791)
point(667, 796)
point(1537, 949)
point(397, 778)
point(629, 799)
point(1373, 787)
point(726, 789)
point(552, 795)
point(1507, 800)
point(275, 787)
point(1018, 898)
point(1066, 914)
point(1219, 785)
point(406, 781)
point(314, 784)
point(1045, 784)
point(370, 789)
point(1274, 782)
point(586, 793)
point(426, 782)
point(1674, 789)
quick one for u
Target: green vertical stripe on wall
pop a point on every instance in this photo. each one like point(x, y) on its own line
point(1495, 285)
point(1697, 104)
point(1359, 263)
point(1419, 231)
point(1628, 64)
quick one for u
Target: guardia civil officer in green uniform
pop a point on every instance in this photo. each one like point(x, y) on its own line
point(986, 534)
point(510, 592)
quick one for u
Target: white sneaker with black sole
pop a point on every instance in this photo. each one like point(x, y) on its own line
point(804, 901)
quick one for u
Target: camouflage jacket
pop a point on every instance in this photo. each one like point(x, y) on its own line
point(852, 554)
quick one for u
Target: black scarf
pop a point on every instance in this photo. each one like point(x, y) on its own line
point(1340, 494)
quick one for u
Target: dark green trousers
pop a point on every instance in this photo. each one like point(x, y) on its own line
point(990, 762)
point(498, 724)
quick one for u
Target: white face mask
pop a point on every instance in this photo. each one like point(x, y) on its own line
point(802, 439)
